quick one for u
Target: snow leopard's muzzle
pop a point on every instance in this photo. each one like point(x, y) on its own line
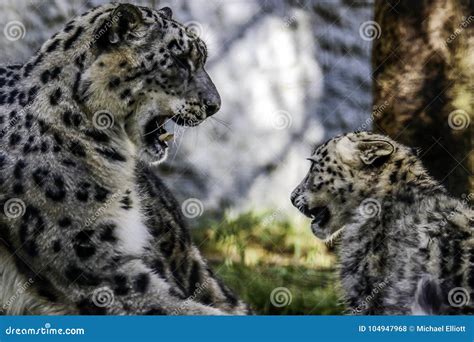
point(194, 106)
point(319, 214)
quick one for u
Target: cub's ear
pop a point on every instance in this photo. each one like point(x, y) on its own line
point(374, 151)
point(166, 12)
point(124, 19)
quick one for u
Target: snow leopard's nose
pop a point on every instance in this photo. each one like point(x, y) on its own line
point(212, 105)
point(208, 94)
point(212, 102)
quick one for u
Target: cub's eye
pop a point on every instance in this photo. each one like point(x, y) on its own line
point(182, 61)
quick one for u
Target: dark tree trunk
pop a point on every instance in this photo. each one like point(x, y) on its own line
point(423, 66)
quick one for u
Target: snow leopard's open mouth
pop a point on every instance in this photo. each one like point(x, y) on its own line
point(156, 138)
point(186, 122)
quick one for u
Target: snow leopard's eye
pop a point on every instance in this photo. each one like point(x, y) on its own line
point(182, 61)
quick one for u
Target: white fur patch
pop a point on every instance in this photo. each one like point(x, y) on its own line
point(131, 232)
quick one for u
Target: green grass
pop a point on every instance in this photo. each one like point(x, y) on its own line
point(255, 254)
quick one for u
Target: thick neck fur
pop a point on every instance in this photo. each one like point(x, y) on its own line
point(411, 206)
point(50, 96)
point(66, 95)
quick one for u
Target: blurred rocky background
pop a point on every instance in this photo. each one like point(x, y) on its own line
point(291, 74)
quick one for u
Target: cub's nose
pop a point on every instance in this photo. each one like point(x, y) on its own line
point(294, 196)
point(212, 105)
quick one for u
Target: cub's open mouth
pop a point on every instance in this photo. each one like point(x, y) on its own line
point(320, 218)
point(319, 215)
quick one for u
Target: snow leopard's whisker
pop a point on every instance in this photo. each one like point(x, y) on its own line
point(210, 136)
point(158, 126)
point(178, 144)
point(176, 133)
point(169, 119)
point(223, 123)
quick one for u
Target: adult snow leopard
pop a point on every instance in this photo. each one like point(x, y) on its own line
point(83, 215)
point(406, 246)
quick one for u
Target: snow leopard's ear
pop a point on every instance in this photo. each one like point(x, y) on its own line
point(373, 152)
point(166, 12)
point(124, 19)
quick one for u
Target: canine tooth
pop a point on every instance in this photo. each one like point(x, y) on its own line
point(166, 137)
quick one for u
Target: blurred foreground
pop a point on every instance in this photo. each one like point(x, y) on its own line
point(276, 267)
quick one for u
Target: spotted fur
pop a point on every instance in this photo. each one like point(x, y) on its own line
point(94, 215)
point(405, 246)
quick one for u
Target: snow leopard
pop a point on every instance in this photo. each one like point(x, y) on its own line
point(405, 246)
point(85, 220)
